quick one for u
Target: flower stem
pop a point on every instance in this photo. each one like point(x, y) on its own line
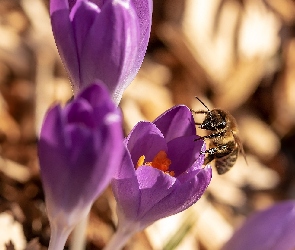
point(119, 239)
point(58, 238)
point(78, 238)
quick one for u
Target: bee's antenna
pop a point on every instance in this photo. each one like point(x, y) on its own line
point(203, 103)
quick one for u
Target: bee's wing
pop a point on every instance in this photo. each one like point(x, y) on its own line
point(240, 146)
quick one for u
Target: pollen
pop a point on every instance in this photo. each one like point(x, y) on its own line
point(140, 161)
point(160, 161)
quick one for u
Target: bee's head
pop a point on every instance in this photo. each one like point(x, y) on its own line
point(214, 120)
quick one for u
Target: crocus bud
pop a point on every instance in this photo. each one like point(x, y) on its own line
point(80, 148)
point(101, 40)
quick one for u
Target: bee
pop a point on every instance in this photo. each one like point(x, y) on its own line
point(225, 144)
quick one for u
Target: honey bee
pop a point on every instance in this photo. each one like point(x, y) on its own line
point(225, 144)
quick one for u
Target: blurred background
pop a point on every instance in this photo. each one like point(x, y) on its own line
point(237, 55)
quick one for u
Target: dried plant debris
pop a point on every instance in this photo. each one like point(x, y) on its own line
point(234, 55)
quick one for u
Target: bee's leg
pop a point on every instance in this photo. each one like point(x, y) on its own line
point(199, 124)
point(213, 135)
point(210, 155)
point(208, 159)
point(213, 152)
point(199, 111)
point(221, 150)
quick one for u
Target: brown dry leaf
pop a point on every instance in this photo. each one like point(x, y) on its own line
point(33, 245)
point(284, 8)
point(258, 136)
point(240, 85)
point(234, 51)
point(11, 232)
point(8, 125)
point(9, 246)
point(151, 99)
point(14, 170)
point(223, 51)
point(284, 93)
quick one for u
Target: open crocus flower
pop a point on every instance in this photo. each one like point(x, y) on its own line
point(161, 173)
point(101, 39)
point(80, 148)
point(271, 229)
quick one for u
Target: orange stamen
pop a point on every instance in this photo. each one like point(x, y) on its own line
point(160, 161)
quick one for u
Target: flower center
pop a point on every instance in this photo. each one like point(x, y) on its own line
point(160, 161)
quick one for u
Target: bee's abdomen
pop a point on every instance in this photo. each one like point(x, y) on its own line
point(225, 163)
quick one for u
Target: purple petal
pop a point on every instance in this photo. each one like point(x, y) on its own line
point(111, 150)
point(83, 16)
point(108, 50)
point(183, 196)
point(56, 5)
point(99, 3)
point(126, 188)
point(183, 152)
point(82, 153)
point(270, 229)
point(191, 171)
point(126, 169)
point(98, 89)
point(52, 127)
point(102, 105)
point(64, 37)
point(52, 150)
point(155, 185)
point(143, 9)
point(81, 166)
point(87, 108)
point(145, 139)
point(82, 112)
point(71, 3)
point(175, 122)
point(63, 170)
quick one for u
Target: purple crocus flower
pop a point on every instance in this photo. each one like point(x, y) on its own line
point(102, 39)
point(161, 173)
point(271, 229)
point(80, 148)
